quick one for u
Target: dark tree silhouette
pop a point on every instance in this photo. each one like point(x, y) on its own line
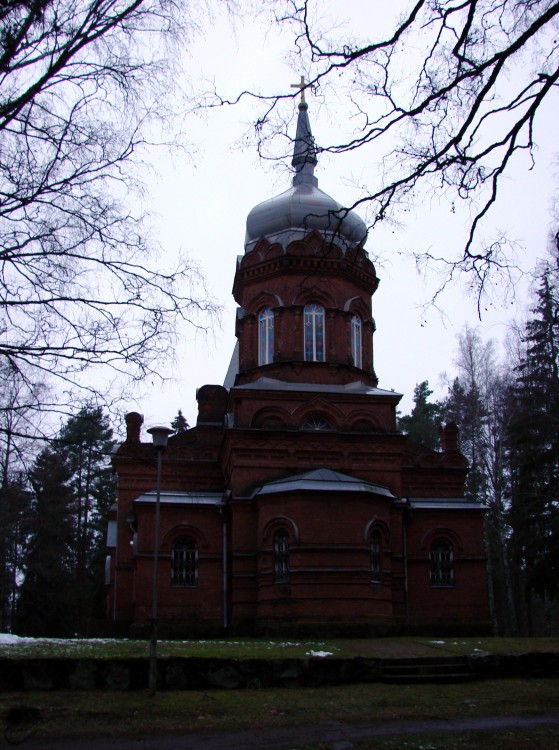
point(46, 603)
point(85, 445)
point(180, 423)
point(425, 420)
point(534, 453)
point(65, 531)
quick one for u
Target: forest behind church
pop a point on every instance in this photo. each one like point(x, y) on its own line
point(54, 505)
point(507, 410)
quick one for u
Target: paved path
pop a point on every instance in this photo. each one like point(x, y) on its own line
point(336, 733)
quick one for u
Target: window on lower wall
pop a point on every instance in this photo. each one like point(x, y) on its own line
point(441, 555)
point(184, 562)
point(376, 556)
point(281, 556)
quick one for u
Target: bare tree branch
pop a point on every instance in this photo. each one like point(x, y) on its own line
point(450, 96)
point(82, 289)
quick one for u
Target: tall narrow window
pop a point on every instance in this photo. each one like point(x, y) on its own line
point(376, 556)
point(441, 556)
point(266, 336)
point(356, 346)
point(314, 333)
point(281, 556)
point(184, 562)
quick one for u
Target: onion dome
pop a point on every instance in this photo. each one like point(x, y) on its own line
point(304, 207)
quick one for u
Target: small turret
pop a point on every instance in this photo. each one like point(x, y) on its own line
point(449, 438)
point(134, 422)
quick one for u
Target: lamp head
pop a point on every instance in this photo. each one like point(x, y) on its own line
point(160, 435)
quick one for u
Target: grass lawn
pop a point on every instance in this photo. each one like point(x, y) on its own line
point(244, 648)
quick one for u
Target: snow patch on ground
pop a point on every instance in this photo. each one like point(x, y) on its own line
point(8, 639)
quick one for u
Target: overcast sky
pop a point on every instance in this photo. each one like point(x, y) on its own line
point(201, 202)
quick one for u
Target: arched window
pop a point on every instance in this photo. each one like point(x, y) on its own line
point(314, 333)
point(317, 423)
point(356, 341)
point(266, 336)
point(441, 555)
point(184, 562)
point(376, 555)
point(281, 556)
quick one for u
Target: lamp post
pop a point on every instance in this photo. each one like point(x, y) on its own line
point(160, 435)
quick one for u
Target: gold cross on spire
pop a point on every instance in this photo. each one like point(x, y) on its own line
point(301, 86)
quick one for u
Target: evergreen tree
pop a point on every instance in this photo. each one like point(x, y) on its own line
point(424, 422)
point(464, 405)
point(18, 410)
point(46, 605)
point(179, 423)
point(14, 508)
point(534, 451)
point(86, 442)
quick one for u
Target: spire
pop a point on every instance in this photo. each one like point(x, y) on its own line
point(304, 153)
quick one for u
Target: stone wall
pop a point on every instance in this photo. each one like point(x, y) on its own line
point(231, 674)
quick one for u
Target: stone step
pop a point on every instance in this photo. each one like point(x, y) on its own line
point(439, 670)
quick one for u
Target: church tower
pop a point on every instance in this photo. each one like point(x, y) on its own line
point(304, 284)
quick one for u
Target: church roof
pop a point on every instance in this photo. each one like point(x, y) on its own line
point(233, 369)
point(444, 503)
point(186, 498)
point(304, 207)
point(357, 387)
point(322, 480)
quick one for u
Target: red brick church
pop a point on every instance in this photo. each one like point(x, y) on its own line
point(295, 505)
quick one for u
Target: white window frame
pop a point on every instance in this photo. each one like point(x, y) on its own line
point(312, 313)
point(356, 341)
point(266, 336)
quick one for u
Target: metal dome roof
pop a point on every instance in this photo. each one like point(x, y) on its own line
point(304, 207)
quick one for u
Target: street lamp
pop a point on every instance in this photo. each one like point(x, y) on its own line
point(159, 436)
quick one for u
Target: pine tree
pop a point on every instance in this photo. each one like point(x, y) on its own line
point(18, 399)
point(86, 442)
point(534, 451)
point(424, 422)
point(464, 405)
point(46, 605)
point(179, 423)
point(14, 509)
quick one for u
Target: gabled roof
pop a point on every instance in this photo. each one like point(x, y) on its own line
point(322, 480)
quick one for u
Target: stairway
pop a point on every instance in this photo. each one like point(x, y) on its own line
point(443, 669)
